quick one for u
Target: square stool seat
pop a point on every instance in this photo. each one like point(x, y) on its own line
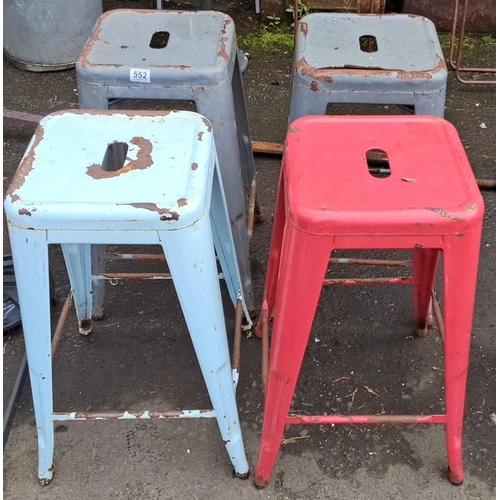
point(367, 59)
point(426, 193)
point(200, 44)
point(85, 196)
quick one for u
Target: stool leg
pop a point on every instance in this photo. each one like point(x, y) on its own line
point(78, 264)
point(244, 130)
point(223, 240)
point(31, 263)
point(303, 267)
point(461, 256)
point(218, 106)
point(425, 261)
point(191, 261)
point(274, 260)
point(430, 103)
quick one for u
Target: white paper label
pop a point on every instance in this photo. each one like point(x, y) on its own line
point(140, 75)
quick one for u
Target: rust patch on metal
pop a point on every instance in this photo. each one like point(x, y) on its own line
point(323, 74)
point(222, 50)
point(208, 124)
point(181, 202)
point(227, 22)
point(143, 161)
point(314, 85)
point(304, 28)
point(443, 213)
point(194, 166)
point(170, 216)
point(24, 211)
point(326, 74)
point(471, 206)
point(460, 235)
point(25, 167)
point(124, 47)
point(200, 136)
point(166, 213)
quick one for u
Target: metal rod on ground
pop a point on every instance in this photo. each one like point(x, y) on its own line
point(20, 115)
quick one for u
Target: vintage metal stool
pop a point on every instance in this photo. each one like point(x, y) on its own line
point(134, 178)
point(193, 56)
point(367, 59)
point(327, 200)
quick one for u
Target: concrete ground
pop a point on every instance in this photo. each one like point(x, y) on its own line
point(140, 356)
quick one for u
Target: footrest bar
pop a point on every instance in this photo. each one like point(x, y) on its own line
point(133, 415)
point(369, 281)
point(365, 419)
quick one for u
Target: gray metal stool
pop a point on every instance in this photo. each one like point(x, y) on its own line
point(176, 55)
point(367, 59)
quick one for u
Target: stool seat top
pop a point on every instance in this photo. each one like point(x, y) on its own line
point(330, 189)
point(332, 46)
point(194, 47)
point(108, 169)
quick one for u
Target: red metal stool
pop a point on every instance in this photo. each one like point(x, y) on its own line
point(328, 199)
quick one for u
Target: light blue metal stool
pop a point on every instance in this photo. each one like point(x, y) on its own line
point(104, 177)
point(367, 59)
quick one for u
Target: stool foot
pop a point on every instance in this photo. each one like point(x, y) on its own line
point(422, 331)
point(44, 481)
point(455, 478)
point(259, 218)
point(97, 317)
point(246, 475)
point(259, 482)
point(85, 327)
